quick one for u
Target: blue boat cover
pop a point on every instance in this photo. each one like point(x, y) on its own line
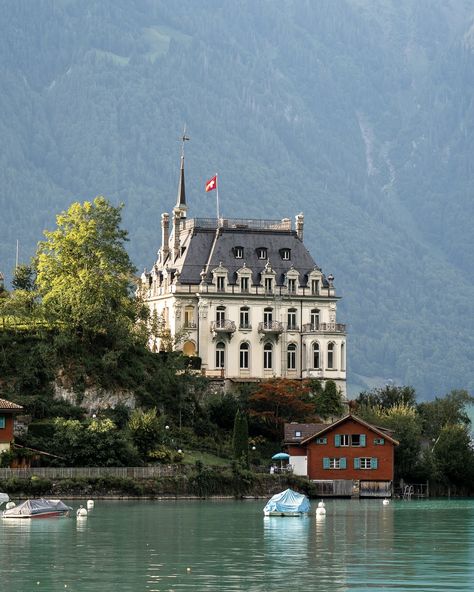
point(287, 501)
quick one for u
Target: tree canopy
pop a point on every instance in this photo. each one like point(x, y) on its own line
point(84, 273)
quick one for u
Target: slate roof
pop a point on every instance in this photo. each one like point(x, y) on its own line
point(328, 428)
point(9, 406)
point(204, 248)
point(306, 429)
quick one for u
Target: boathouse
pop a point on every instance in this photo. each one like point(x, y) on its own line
point(348, 457)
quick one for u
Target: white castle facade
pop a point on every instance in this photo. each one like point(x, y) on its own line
point(246, 297)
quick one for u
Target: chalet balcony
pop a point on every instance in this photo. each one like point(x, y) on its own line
point(223, 327)
point(324, 328)
point(270, 328)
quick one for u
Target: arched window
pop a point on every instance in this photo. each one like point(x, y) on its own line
point(220, 355)
point(189, 348)
point(316, 356)
point(331, 348)
point(343, 356)
point(220, 316)
point(291, 318)
point(291, 356)
point(244, 356)
point(314, 319)
point(268, 356)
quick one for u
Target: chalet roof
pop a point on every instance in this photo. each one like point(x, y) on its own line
point(205, 247)
point(332, 426)
point(9, 406)
point(306, 429)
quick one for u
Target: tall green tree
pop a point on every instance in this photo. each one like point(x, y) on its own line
point(442, 411)
point(454, 457)
point(240, 439)
point(327, 400)
point(24, 278)
point(84, 273)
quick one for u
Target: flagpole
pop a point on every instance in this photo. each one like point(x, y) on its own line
point(217, 200)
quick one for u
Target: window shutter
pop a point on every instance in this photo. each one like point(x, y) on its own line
point(373, 463)
point(325, 440)
point(342, 463)
point(337, 440)
point(325, 463)
point(362, 440)
point(357, 463)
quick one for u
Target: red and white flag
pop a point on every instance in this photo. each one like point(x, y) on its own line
point(211, 184)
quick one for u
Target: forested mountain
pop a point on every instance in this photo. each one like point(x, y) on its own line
point(357, 112)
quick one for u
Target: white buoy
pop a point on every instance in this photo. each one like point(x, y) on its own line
point(10, 505)
point(320, 511)
point(90, 504)
point(386, 502)
point(81, 512)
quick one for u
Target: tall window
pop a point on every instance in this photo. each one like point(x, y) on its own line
point(316, 356)
point(189, 316)
point(220, 316)
point(244, 318)
point(220, 355)
point(331, 355)
point(244, 284)
point(244, 356)
point(291, 357)
point(314, 319)
point(220, 283)
point(315, 287)
point(343, 357)
point(267, 317)
point(268, 356)
point(291, 318)
point(291, 285)
point(268, 284)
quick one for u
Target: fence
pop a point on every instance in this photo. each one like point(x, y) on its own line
point(93, 472)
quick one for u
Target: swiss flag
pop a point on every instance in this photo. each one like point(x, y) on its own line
point(211, 184)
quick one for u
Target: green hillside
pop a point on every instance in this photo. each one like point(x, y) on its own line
point(357, 112)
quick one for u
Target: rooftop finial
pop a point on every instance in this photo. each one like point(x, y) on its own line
point(181, 201)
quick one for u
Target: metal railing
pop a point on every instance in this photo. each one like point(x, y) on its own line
point(270, 327)
point(324, 328)
point(223, 326)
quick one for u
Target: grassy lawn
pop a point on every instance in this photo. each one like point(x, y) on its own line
point(206, 458)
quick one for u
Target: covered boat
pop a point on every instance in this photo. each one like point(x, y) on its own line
point(287, 503)
point(4, 498)
point(38, 508)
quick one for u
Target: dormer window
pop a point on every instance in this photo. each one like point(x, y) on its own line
point(239, 252)
point(285, 254)
point(262, 253)
point(297, 434)
point(291, 285)
point(220, 283)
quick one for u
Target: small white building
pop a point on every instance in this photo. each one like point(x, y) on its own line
point(247, 297)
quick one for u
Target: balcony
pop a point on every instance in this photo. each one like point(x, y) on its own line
point(270, 328)
point(324, 328)
point(188, 325)
point(292, 327)
point(223, 327)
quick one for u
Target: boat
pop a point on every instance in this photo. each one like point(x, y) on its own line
point(287, 503)
point(38, 508)
point(4, 498)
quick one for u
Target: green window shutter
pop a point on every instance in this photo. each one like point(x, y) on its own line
point(325, 440)
point(357, 463)
point(2, 421)
point(362, 440)
point(373, 463)
point(343, 463)
point(337, 440)
point(325, 463)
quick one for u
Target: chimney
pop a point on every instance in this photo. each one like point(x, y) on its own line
point(176, 231)
point(165, 236)
point(299, 226)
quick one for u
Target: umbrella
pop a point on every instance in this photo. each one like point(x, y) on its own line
point(281, 456)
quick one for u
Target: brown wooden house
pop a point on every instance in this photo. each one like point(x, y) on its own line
point(7, 414)
point(349, 457)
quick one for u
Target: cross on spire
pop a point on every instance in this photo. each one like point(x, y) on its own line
point(184, 138)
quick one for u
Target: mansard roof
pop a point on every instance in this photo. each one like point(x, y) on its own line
point(204, 247)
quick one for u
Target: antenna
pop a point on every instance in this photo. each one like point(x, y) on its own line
point(17, 249)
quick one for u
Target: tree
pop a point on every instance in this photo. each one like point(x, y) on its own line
point(388, 396)
point(84, 273)
point(145, 429)
point(327, 399)
point(24, 278)
point(240, 439)
point(448, 410)
point(278, 401)
point(453, 456)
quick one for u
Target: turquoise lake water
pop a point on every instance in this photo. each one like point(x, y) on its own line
point(230, 546)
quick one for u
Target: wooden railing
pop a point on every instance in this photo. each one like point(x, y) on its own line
point(93, 472)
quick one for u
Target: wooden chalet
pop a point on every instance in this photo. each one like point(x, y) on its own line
point(348, 457)
point(7, 414)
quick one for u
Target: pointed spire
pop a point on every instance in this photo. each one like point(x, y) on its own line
point(181, 199)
